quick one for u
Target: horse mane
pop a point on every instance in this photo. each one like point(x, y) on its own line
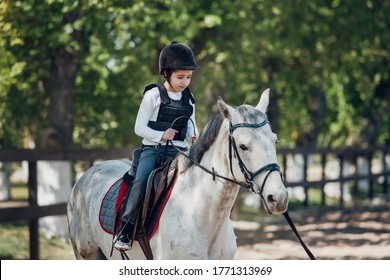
point(211, 130)
point(205, 140)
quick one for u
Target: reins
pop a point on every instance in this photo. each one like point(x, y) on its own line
point(249, 176)
point(290, 222)
point(213, 173)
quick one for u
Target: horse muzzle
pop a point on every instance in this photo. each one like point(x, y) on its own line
point(274, 195)
point(276, 204)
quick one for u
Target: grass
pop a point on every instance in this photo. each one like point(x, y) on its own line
point(14, 237)
point(14, 244)
point(19, 192)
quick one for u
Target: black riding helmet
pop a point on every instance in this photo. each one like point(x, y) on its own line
point(177, 56)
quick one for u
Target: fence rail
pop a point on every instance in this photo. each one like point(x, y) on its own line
point(32, 211)
point(350, 155)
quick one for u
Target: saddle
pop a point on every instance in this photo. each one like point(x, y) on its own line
point(158, 189)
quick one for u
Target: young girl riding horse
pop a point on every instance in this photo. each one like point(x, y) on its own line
point(160, 106)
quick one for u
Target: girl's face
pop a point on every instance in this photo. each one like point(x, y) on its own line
point(179, 80)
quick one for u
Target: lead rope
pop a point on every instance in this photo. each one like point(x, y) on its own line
point(290, 222)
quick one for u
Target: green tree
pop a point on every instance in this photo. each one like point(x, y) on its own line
point(326, 63)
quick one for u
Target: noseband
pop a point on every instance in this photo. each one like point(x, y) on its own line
point(249, 176)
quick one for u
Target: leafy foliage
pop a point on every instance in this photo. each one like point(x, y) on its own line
point(326, 63)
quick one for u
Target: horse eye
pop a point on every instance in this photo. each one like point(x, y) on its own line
point(243, 147)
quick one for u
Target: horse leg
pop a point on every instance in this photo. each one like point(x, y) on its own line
point(91, 250)
point(80, 231)
point(225, 244)
point(92, 255)
point(84, 247)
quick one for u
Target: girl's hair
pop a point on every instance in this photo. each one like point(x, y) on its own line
point(167, 75)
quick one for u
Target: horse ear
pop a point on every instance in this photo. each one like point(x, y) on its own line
point(264, 100)
point(225, 109)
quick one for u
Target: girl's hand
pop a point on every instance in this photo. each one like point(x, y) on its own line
point(194, 137)
point(169, 134)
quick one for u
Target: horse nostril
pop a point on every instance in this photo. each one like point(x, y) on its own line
point(271, 199)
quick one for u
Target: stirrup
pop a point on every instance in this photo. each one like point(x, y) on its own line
point(124, 255)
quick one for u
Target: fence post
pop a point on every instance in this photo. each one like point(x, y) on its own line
point(33, 201)
point(323, 166)
point(284, 162)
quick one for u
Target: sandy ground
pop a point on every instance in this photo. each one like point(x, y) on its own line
point(350, 234)
point(359, 234)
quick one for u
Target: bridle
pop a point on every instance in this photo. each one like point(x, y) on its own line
point(248, 175)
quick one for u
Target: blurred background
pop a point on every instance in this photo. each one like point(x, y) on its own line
point(72, 74)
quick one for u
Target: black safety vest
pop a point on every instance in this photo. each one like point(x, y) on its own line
point(172, 109)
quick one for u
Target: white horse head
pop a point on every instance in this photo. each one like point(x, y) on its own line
point(236, 148)
point(256, 153)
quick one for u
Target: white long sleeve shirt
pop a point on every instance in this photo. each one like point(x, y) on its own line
point(148, 111)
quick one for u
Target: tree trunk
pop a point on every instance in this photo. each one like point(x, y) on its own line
point(62, 90)
point(55, 177)
point(61, 84)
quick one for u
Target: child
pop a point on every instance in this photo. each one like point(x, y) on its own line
point(160, 106)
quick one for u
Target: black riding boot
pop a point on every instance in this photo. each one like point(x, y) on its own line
point(131, 203)
point(128, 178)
point(126, 230)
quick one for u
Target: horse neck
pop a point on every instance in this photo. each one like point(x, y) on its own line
point(215, 198)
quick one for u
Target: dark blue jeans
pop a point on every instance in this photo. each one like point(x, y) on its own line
point(150, 159)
